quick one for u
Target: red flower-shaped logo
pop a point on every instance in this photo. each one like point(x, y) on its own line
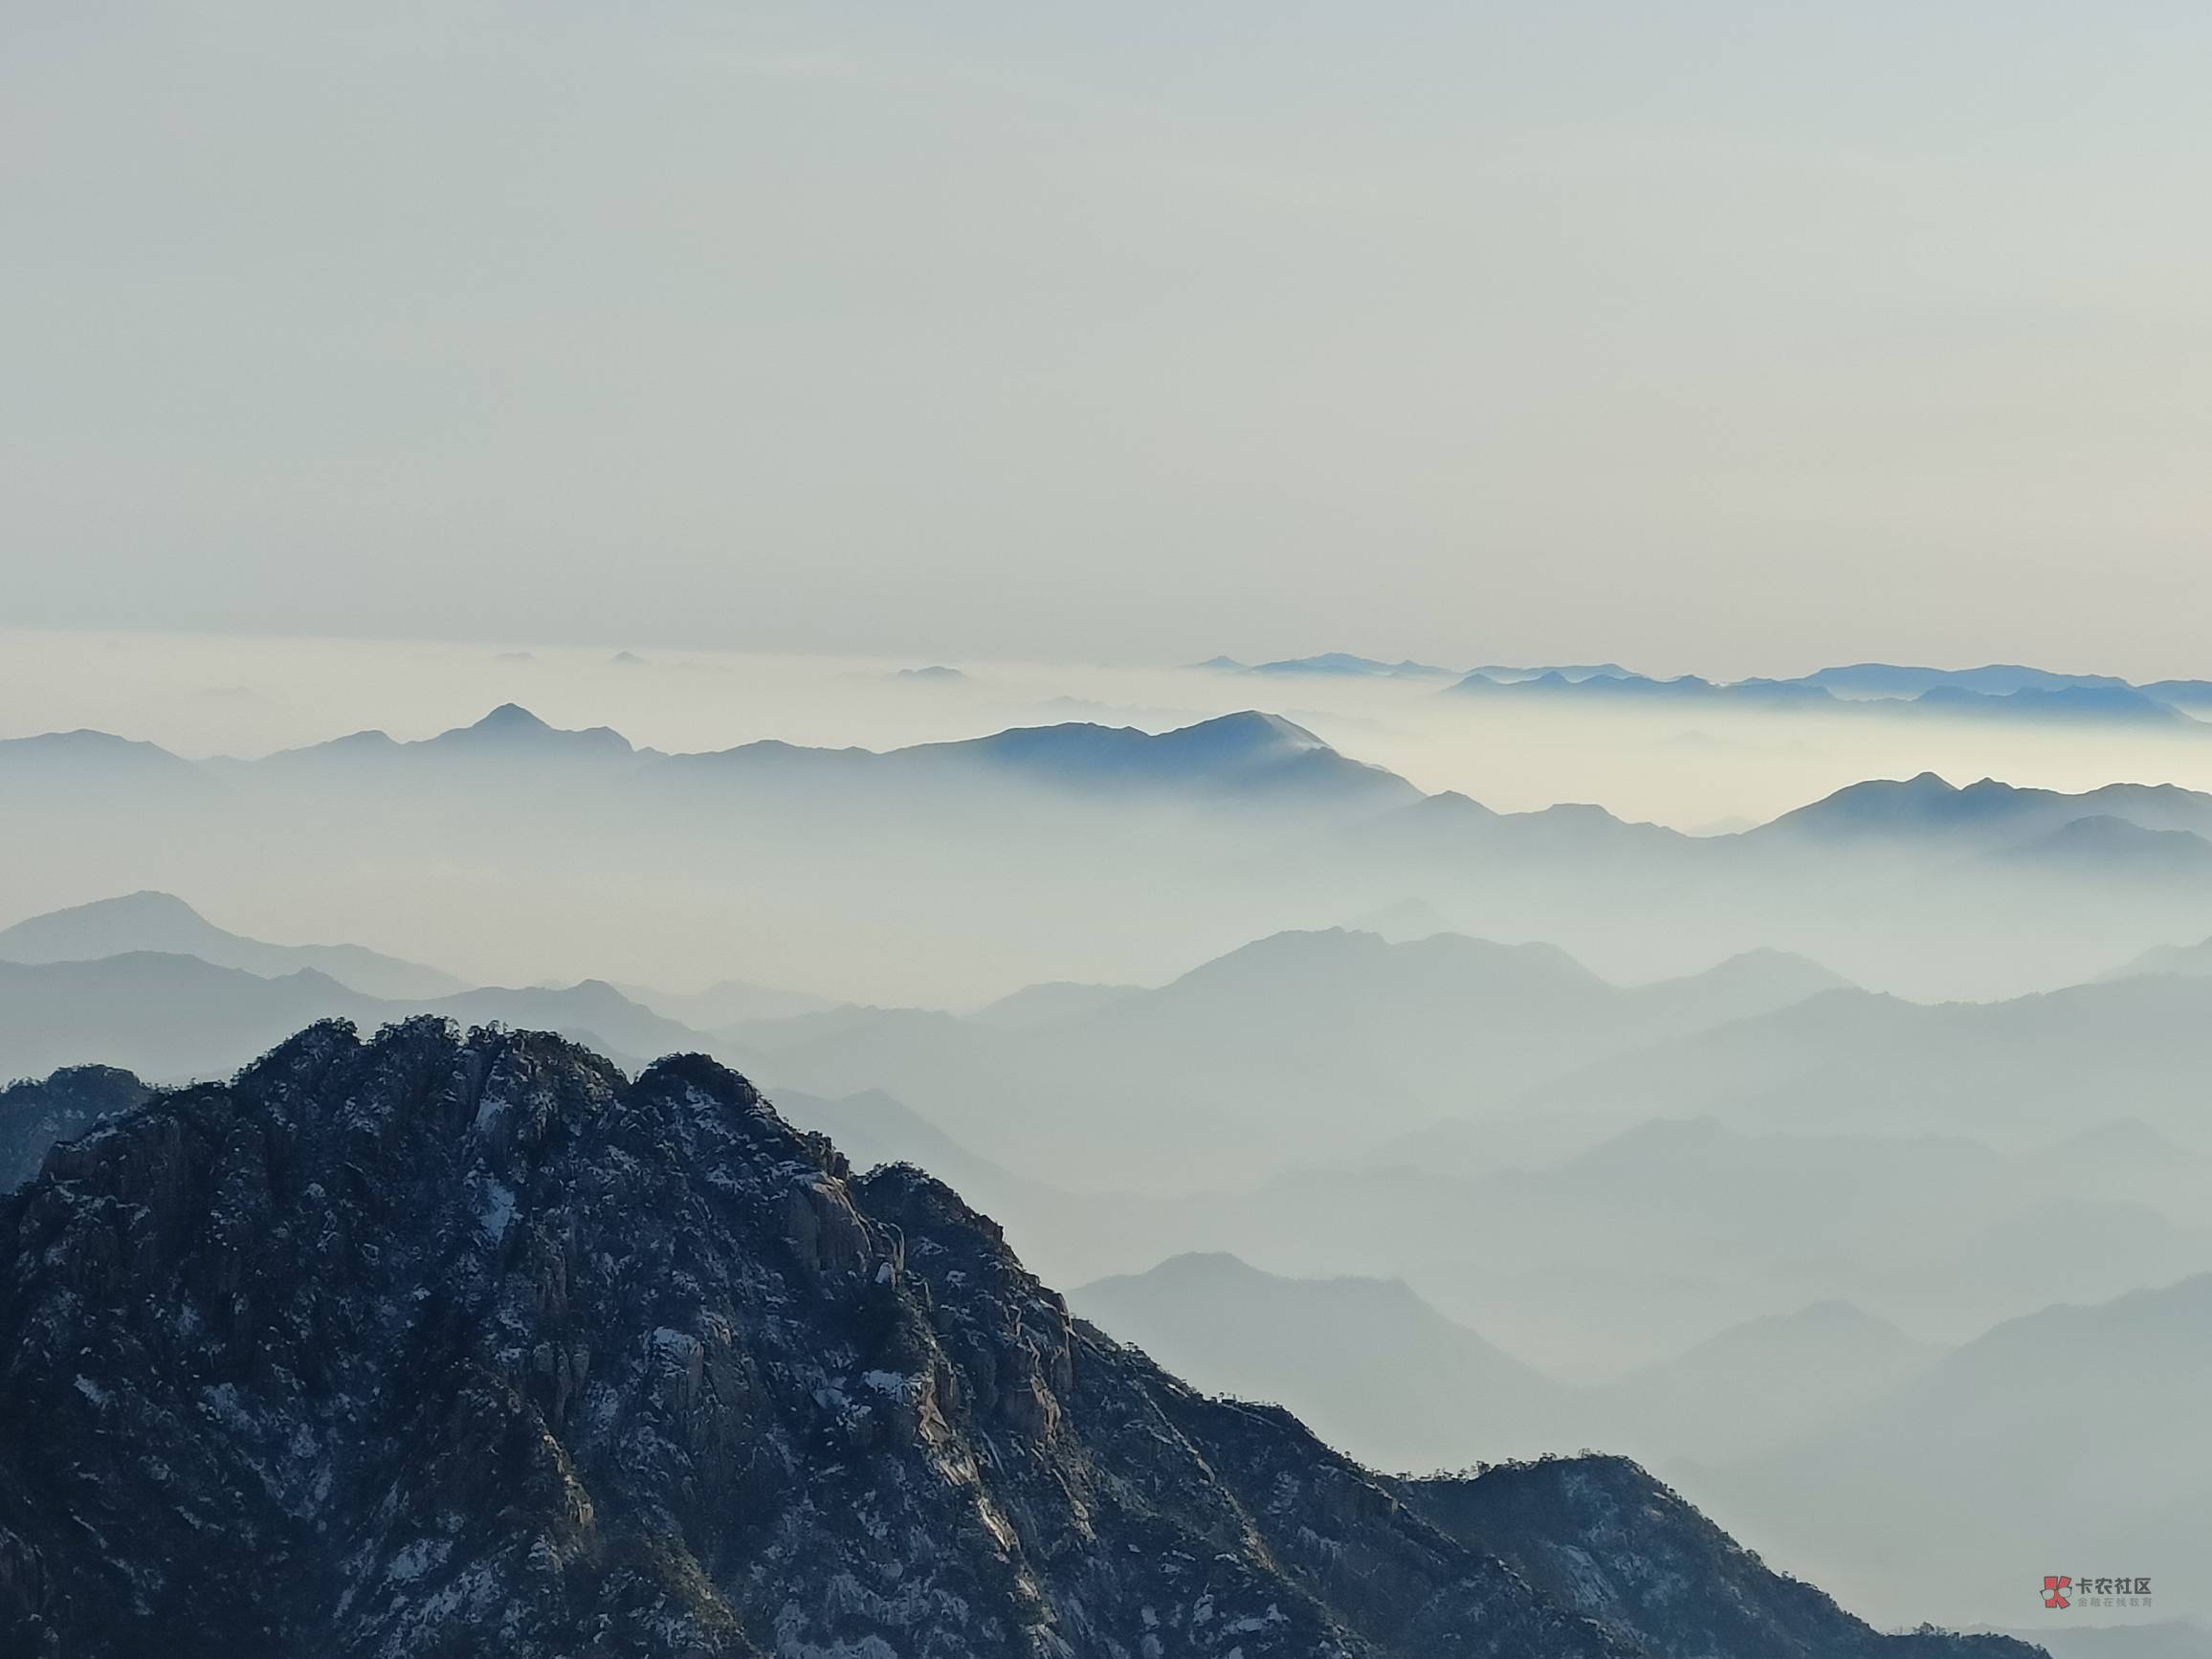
point(2054, 1591)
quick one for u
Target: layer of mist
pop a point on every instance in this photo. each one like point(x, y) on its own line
point(1287, 1013)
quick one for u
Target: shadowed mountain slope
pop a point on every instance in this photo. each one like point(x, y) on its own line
point(444, 1345)
point(36, 1112)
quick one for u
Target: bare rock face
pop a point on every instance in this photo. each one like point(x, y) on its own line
point(34, 1115)
point(446, 1345)
point(1607, 1540)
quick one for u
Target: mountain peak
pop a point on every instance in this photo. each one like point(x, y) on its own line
point(145, 902)
point(1249, 729)
point(439, 1365)
point(513, 726)
point(1880, 805)
point(1246, 752)
point(511, 718)
point(149, 919)
point(1344, 664)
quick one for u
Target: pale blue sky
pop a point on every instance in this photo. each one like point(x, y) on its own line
point(1732, 337)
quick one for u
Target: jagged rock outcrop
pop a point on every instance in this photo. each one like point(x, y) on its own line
point(36, 1114)
point(435, 1345)
point(1604, 1538)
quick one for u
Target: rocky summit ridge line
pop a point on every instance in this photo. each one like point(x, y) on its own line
point(436, 1344)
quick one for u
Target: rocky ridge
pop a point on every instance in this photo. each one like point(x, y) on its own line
point(36, 1112)
point(439, 1344)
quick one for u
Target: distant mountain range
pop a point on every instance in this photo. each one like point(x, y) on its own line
point(170, 1017)
point(2169, 958)
point(2073, 1435)
point(1916, 885)
point(1500, 1074)
point(2022, 1069)
point(1987, 814)
point(2115, 702)
point(1627, 1252)
point(1759, 1383)
point(164, 924)
point(510, 733)
point(1250, 1059)
point(1998, 689)
point(1367, 1363)
point(1248, 756)
point(1381, 1372)
point(725, 1003)
point(1190, 839)
point(1330, 664)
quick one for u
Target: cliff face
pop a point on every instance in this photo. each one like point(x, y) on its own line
point(439, 1345)
point(34, 1115)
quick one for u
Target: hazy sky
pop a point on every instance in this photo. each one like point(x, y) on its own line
point(1727, 337)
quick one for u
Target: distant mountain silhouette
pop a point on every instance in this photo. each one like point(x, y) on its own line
point(1369, 1364)
point(2074, 702)
point(1246, 1059)
point(1502, 673)
point(96, 769)
point(1882, 679)
point(725, 1003)
point(1380, 1371)
point(164, 924)
point(1222, 830)
point(1618, 1254)
point(1759, 1383)
point(164, 1017)
point(1328, 664)
point(1248, 756)
point(1867, 688)
point(2104, 844)
point(170, 1017)
point(1408, 919)
point(2168, 959)
point(1047, 1003)
point(1640, 688)
point(1986, 813)
point(1344, 665)
point(1244, 761)
point(873, 1128)
point(88, 749)
point(2032, 1066)
point(1931, 1482)
point(2180, 693)
point(509, 734)
point(1450, 827)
